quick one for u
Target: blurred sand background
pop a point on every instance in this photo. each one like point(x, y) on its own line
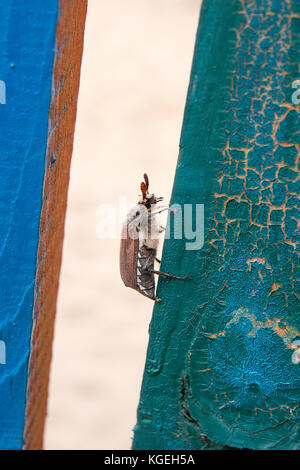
point(135, 73)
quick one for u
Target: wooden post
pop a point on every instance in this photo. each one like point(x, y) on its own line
point(222, 366)
point(40, 52)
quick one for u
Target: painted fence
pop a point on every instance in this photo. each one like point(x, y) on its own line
point(222, 367)
point(40, 58)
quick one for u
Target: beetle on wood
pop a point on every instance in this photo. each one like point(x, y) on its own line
point(139, 243)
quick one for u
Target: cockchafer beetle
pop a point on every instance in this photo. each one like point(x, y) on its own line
point(139, 243)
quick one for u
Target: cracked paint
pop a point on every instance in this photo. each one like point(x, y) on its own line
point(285, 331)
point(230, 335)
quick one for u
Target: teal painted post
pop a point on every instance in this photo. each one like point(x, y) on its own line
point(222, 367)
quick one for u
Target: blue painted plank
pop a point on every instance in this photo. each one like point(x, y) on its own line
point(27, 46)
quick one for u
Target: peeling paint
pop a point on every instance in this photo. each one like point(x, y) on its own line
point(231, 332)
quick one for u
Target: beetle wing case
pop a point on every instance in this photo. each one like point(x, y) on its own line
point(135, 260)
point(128, 256)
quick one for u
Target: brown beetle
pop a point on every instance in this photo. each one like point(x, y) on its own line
point(139, 243)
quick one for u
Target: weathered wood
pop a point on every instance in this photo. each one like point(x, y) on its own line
point(222, 366)
point(40, 52)
point(66, 73)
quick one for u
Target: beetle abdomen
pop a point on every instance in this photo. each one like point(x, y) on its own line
point(145, 278)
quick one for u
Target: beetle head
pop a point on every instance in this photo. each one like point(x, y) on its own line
point(148, 200)
point(143, 217)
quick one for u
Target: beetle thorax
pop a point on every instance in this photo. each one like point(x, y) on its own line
point(146, 222)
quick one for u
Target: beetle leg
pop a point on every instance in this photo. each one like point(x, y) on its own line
point(167, 275)
point(158, 260)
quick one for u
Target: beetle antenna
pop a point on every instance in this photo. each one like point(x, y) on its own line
point(144, 191)
point(146, 181)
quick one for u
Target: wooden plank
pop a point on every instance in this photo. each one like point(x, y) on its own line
point(40, 63)
point(66, 73)
point(222, 367)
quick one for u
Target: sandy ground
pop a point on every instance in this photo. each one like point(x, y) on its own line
point(135, 74)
